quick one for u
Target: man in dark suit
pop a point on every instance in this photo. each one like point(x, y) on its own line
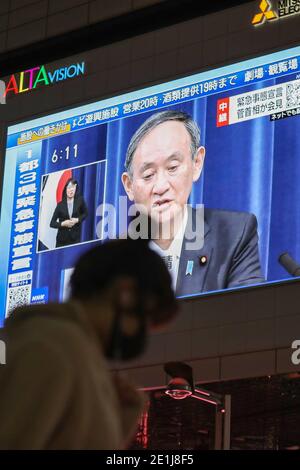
point(229, 256)
point(69, 215)
point(204, 249)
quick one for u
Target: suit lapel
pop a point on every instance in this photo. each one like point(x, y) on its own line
point(194, 263)
point(65, 209)
point(75, 206)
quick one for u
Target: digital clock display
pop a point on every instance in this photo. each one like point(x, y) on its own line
point(66, 153)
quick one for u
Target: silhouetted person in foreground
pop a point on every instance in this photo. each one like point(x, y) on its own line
point(56, 391)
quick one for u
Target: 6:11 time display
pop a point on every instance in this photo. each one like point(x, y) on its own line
point(66, 153)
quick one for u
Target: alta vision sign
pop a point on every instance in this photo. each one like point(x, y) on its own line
point(39, 76)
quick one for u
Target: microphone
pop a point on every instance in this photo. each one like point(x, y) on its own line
point(289, 264)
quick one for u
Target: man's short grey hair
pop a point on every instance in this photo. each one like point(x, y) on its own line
point(154, 121)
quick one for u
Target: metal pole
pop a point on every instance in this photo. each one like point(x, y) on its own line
point(218, 428)
point(227, 422)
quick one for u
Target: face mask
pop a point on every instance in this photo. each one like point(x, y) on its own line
point(122, 346)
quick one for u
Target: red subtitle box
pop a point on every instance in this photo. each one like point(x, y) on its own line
point(223, 112)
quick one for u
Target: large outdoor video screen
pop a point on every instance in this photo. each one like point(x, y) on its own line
point(71, 179)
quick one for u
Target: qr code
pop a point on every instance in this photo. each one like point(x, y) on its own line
point(293, 94)
point(18, 290)
point(16, 297)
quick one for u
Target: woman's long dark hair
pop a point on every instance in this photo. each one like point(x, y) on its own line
point(77, 192)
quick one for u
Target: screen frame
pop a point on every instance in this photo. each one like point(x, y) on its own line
point(147, 90)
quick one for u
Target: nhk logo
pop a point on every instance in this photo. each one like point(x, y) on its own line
point(266, 13)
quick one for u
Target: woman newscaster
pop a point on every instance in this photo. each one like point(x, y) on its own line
point(69, 215)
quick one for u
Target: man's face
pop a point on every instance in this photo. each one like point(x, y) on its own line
point(163, 171)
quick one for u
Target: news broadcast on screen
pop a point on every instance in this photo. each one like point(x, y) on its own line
point(245, 189)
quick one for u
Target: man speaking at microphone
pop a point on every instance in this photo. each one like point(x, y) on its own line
point(205, 249)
